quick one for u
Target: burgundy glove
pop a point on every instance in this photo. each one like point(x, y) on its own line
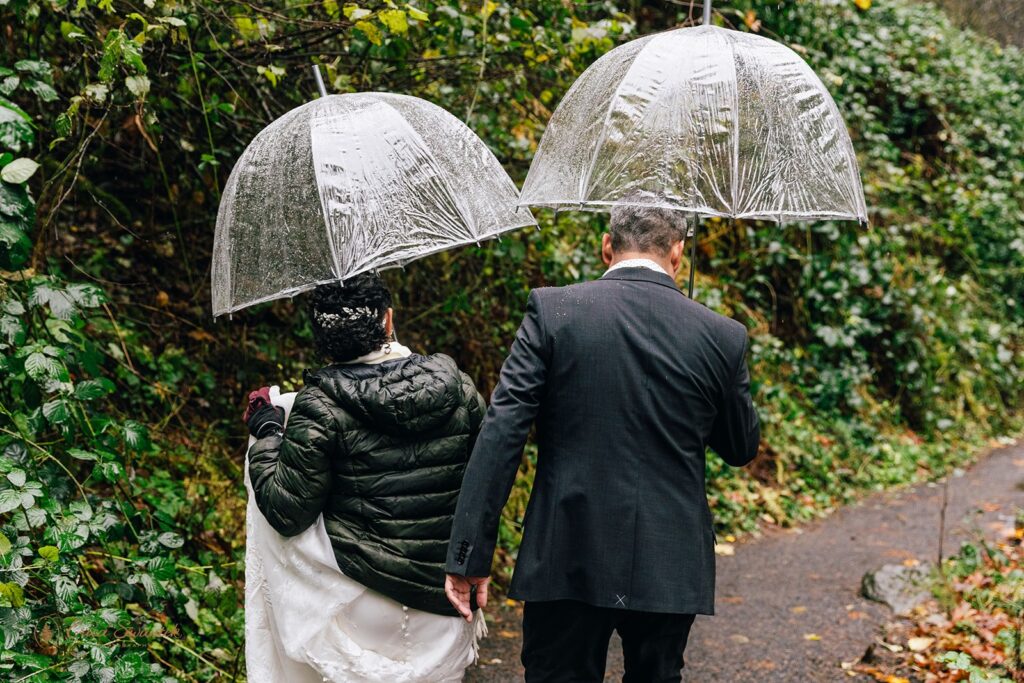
point(262, 417)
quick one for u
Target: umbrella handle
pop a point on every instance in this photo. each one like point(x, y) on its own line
point(707, 12)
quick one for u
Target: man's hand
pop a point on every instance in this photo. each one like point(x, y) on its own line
point(460, 588)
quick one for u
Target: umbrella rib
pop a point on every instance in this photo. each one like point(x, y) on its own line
point(736, 129)
point(585, 185)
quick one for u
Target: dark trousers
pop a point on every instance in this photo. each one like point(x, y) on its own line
point(567, 641)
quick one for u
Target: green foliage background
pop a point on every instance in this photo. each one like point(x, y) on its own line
point(880, 357)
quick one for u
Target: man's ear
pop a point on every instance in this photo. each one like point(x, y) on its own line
point(675, 255)
point(389, 322)
point(606, 249)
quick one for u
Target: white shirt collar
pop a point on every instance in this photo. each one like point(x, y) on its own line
point(638, 263)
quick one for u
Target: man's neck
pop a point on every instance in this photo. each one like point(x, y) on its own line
point(662, 261)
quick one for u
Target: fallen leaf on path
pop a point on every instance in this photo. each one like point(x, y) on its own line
point(494, 661)
point(920, 643)
point(812, 636)
point(891, 647)
point(725, 549)
point(799, 609)
point(739, 639)
point(731, 600)
point(855, 614)
point(507, 634)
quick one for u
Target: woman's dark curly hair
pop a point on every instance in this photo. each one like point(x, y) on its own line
point(348, 319)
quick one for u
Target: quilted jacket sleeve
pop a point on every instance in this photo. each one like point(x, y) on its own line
point(291, 472)
point(475, 404)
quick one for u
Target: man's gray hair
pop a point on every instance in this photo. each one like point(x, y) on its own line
point(638, 225)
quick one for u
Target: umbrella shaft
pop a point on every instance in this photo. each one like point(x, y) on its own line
point(319, 80)
point(707, 12)
point(693, 254)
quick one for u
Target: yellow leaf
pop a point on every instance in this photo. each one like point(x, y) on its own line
point(371, 32)
point(417, 14)
point(863, 4)
point(799, 609)
point(488, 9)
point(812, 636)
point(395, 20)
point(354, 12)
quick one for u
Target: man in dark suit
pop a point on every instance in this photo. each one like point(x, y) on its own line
point(627, 381)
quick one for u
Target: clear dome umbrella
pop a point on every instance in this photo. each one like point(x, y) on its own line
point(705, 120)
point(351, 183)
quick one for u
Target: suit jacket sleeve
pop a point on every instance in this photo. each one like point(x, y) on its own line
point(736, 432)
point(498, 450)
point(291, 473)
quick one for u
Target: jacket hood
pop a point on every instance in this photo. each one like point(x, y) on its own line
point(409, 395)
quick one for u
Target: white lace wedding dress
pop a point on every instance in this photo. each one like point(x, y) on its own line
point(305, 621)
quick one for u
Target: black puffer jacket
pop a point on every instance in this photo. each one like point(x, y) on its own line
point(380, 450)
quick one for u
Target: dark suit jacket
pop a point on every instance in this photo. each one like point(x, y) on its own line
point(628, 381)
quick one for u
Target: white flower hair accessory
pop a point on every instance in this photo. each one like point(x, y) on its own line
point(329, 320)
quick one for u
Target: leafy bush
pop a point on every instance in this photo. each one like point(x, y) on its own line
point(879, 357)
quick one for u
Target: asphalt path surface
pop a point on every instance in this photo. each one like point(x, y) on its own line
point(788, 604)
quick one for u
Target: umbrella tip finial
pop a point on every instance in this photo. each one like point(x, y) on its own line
point(319, 80)
point(707, 12)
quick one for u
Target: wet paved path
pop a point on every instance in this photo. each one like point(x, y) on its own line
point(780, 591)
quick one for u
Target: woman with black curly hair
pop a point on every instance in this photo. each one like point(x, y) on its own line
point(358, 484)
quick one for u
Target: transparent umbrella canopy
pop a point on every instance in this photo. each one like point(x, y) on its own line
point(351, 183)
point(705, 120)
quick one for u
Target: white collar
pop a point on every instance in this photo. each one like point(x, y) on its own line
point(389, 351)
point(638, 263)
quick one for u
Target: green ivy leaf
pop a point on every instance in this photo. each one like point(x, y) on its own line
point(34, 67)
point(60, 302)
point(12, 330)
point(9, 500)
point(15, 127)
point(17, 477)
point(86, 295)
point(81, 454)
point(39, 365)
point(43, 91)
point(135, 435)
point(50, 553)
point(9, 85)
point(18, 171)
point(56, 411)
point(170, 539)
point(137, 85)
point(90, 389)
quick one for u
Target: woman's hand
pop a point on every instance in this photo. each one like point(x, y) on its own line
point(262, 416)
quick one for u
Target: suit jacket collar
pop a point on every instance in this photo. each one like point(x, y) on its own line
point(641, 274)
